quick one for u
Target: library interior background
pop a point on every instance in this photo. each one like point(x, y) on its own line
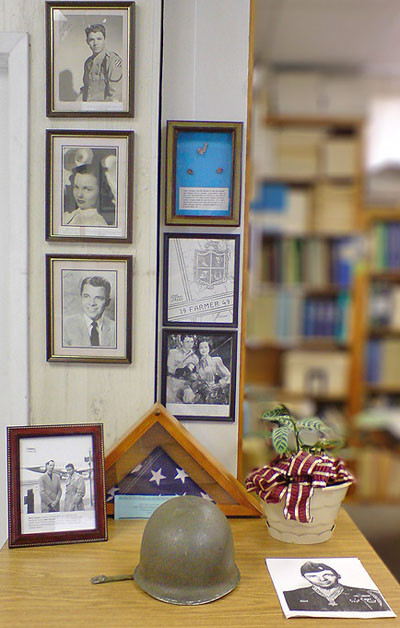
point(323, 308)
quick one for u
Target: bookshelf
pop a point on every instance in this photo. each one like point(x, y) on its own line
point(305, 223)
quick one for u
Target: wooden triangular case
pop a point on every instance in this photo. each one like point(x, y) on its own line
point(159, 428)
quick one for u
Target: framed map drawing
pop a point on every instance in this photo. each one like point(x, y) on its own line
point(201, 275)
point(198, 374)
point(90, 58)
point(203, 173)
point(89, 308)
point(89, 183)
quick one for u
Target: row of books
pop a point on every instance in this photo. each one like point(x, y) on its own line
point(309, 153)
point(385, 247)
point(378, 473)
point(382, 362)
point(313, 261)
point(384, 305)
point(289, 316)
point(294, 208)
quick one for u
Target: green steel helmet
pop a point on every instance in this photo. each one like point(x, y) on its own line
point(187, 553)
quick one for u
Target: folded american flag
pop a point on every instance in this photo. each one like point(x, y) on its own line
point(157, 474)
point(295, 479)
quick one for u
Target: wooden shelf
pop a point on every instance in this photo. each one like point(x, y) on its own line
point(328, 121)
point(382, 389)
point(384, 275)
point(383, 332)
point(316, 344)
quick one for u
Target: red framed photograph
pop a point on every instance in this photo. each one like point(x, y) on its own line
point(56, 488)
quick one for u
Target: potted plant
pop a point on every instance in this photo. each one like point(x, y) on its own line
point(302, 488)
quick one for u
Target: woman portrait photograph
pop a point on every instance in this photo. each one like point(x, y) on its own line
point(90, 58)
point(199, 374)
point(89, 185)
point(89, 305)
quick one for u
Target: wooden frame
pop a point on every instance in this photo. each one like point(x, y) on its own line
point(203, 181)
point(198, 373)
point(107, 29)
point(89, 185)
point(159, 428)
point(201, 280)
point(84, 289)
point(66, 505)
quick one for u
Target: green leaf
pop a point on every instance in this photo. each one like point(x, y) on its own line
point(314, 424)
point(280, 439)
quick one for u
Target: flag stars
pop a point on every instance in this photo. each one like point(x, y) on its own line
point(180, 475)
point(205, 496)
point(157, 476)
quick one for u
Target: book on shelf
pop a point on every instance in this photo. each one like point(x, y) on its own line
point(281, 208)
point(297, 153)
point(262, 317)
point(316, 373)
point(384, 305)
point(334, 208)
point(382, 362)
point(385, 246)
point(339, 157)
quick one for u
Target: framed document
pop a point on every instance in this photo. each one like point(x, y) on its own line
point(90, 58)
point(56, 484)
point(201, 278)
point(89, 306)
point(203, 173)
point(89, 183)
point(198, 374)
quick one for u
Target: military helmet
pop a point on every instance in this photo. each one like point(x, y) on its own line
point(187, 553)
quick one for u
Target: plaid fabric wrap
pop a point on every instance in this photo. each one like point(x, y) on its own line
point(295, 479)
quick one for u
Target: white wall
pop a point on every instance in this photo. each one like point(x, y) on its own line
point(114, 394)
point(14, 385)
point(205, 77)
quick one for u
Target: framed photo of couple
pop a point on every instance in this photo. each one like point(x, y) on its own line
point(56, 487)
point(203, 173)
point(198, 374)
point(89, 183)
point(90, 58)
point(89, 308)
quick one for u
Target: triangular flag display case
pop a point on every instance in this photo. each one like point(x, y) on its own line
point(158, 428)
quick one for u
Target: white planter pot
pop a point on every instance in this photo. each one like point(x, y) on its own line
point(324, 507)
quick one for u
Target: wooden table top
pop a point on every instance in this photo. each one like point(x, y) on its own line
point(50, 586)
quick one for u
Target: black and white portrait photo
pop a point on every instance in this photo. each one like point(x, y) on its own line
point(202, 279)
point(199, 374)
point(89, 183)
point(56, 486)
point(326, 587)
point(90, 59)
point(90, 308)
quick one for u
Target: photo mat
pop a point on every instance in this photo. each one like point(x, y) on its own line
point(89, 305)
point(90, 58)
point(89, 182)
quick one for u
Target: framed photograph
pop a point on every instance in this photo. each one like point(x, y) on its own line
point(56, 488)
point(201, 278)
point(89, 182)
point(89, 308)
point(198, 374)
point(203, 173)
point(90, 59)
